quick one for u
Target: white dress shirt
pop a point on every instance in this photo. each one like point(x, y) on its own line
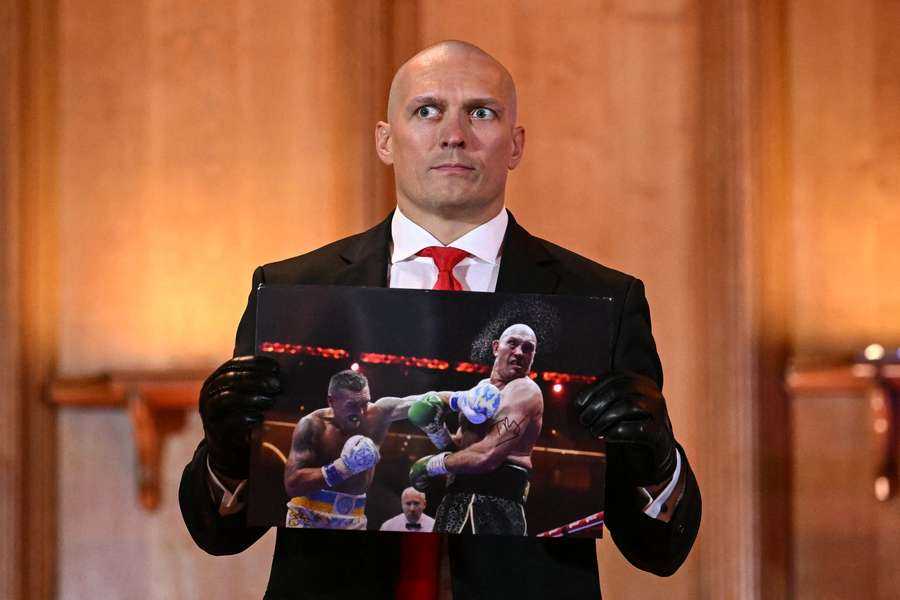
point(476, 273)
point(398, 523)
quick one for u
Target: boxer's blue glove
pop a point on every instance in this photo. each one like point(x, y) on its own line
point(359, 454)
point(478, 404)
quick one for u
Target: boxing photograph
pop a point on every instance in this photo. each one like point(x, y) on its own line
point(411, 411)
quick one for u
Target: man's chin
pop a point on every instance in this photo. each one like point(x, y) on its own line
point(516, 371)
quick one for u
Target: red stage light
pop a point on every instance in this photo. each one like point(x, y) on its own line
point(557, 388)
point(280, 348)
point(568, 378)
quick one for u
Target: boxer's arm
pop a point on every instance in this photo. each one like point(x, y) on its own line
point(520, 410)
point(396, 408)
point(300, 477)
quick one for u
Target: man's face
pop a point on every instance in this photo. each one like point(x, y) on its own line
point(413, 505)
point(452, 137)
point(514, 353)
point(349, 408)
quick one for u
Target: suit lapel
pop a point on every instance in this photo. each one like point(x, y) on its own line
point(367, 258)
point(525, 267)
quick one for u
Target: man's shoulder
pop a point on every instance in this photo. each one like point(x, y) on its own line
point(309, 267)
point(319, 265)
point(522, 386)
point(583, 269)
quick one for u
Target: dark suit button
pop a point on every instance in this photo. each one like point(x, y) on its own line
point(680, 529)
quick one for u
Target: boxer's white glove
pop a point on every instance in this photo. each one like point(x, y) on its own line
point(359, 454)
point(478, 404)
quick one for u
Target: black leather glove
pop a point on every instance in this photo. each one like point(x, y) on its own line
point(232, 402)
point(629, 411)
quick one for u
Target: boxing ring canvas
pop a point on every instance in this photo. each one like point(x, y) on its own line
point(467, 396)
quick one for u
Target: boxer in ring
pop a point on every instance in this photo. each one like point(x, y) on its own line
point(334, 451)
point(488, 483)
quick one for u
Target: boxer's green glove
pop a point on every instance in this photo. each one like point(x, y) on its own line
point(426, 468)
point(427, 413)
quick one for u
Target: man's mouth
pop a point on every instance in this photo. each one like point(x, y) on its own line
point(453, 168)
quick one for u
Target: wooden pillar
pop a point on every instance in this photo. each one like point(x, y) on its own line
point(28, 501)
point(746, 522)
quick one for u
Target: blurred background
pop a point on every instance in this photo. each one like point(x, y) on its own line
point(742, 158)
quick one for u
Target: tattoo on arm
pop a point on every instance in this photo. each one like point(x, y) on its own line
point(508, 430)
point(303, 443)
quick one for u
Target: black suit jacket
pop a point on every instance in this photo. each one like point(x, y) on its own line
point(317, 564)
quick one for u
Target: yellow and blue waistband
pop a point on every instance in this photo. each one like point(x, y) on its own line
point(327, 501)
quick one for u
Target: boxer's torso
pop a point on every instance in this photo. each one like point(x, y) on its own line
point(330, 442)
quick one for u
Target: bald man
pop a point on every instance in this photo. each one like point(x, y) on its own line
point(488, 476)
point(451, 137)
point(412, 517)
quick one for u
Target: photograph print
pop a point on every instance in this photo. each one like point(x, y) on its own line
point(421, 410)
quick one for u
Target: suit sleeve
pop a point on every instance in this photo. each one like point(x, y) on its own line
point(214, 533)
point(647, 543)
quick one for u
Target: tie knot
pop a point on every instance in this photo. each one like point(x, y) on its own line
point(444, 258)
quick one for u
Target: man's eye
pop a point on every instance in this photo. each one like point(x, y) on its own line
point(426, 111)
point(483, 113)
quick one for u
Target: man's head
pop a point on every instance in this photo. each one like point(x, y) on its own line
point(413, 503)
point(451, 133)
point(514, 352)
point(348, 397)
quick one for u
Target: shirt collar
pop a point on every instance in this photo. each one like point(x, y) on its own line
point(483, 242)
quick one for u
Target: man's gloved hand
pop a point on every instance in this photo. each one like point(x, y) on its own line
point(232, 401)
point(425, 468)
point(427, 413)
point(358, 454)
point(478, 404)
point(629, 411)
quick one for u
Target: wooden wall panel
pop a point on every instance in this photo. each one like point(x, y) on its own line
point(845, 160)
point(847, 544)
point(11, 453)
point(845, 175)
point(199, 140)
point(31, 253)
point(106, 526)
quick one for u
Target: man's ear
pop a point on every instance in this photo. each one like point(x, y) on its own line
point(518, 147)
point(496, 346)
point(383, 142)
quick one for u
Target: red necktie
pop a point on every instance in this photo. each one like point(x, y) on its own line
point(445, 259)
point(420, 555)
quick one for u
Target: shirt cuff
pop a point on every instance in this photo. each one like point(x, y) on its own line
point(655, 506)
point(230, 503)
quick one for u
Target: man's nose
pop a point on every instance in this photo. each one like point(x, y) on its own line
point(453, 135)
